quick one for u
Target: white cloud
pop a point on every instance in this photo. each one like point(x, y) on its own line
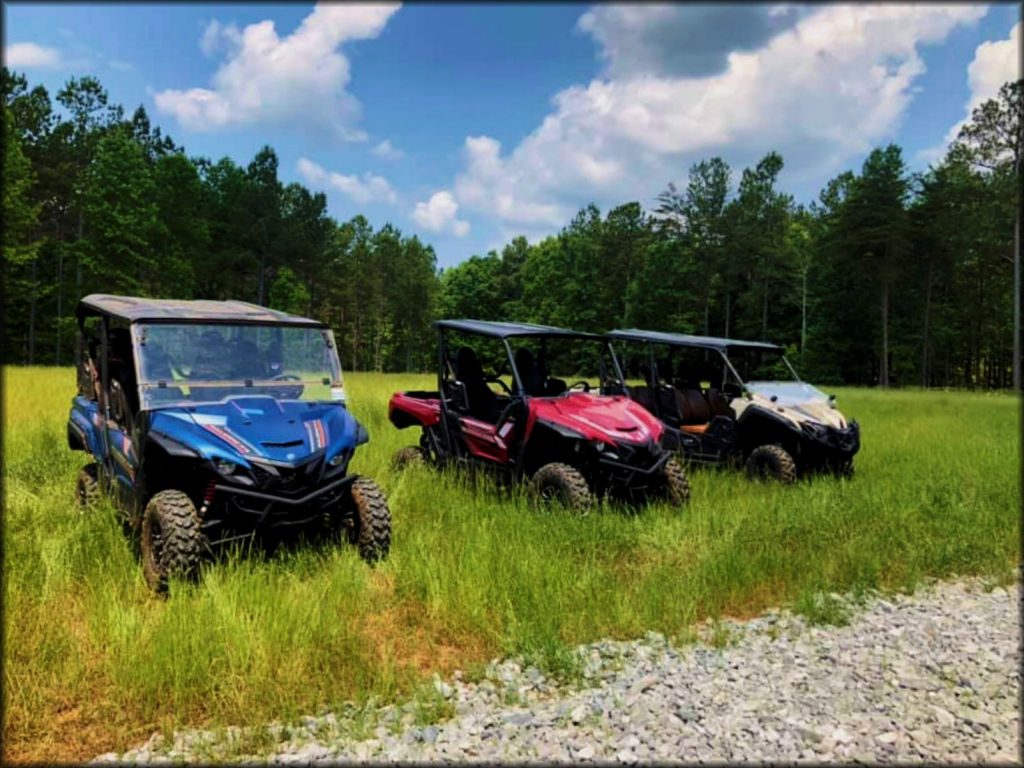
point(831, 87)
point(388, 151)
point(995, 62)
point(438, 214)
point(31, 55)
point(297, 82)
point(368, 189)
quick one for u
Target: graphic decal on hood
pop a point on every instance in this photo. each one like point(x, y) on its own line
point(316, 433)
point(231, 439)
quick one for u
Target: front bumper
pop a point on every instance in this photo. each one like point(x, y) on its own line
point(832, 442)
point(280, 496)
point(636, 465)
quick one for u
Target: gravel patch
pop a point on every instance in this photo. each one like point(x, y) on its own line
point(931, 677)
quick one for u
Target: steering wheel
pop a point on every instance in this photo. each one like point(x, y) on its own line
point(586, 385)
point(287, 393)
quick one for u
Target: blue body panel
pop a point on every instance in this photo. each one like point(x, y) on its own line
point(287, 433)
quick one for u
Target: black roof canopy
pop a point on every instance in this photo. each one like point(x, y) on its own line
point(686, 340)
point(506, 330)
point(134, 309)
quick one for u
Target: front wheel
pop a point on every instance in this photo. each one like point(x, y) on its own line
point(675, 485)
point(771, 462)
point(558, 483)
point(371, 529)
point(87, 487)
point(171, 540)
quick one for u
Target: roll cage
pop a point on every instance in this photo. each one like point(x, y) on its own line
point(717, 345)
point(448, 381)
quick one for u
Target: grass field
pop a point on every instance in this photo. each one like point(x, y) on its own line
point(93, 662)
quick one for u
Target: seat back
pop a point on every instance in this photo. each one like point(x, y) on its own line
point(695, 408)
point(644, 396)
point(669, 404)
point(483, 403)
point(720, 404)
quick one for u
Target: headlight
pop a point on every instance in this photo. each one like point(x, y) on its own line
point(337, 460)
point(225, 467)
point(606, 450)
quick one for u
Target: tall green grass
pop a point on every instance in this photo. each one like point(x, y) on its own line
point(93, 662)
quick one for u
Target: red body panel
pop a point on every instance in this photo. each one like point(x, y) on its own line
point(483, 439)
point(597, 417)
point(427, 411)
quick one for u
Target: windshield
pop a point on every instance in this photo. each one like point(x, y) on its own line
point(197, 363)
point(759, 364)
point(794, 392)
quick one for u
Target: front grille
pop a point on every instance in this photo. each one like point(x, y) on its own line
point(264, 476)
point(288, 480)
point(641, 456)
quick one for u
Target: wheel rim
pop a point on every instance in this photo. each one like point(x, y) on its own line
point(549, 495)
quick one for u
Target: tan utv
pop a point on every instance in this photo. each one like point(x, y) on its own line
point(728, 402)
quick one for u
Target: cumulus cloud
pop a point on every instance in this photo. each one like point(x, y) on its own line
point(680, 39)
point(388, 151)
point(297, 82)
point(827, 89)
point(30, 55)
point(370, 188)
point(995, 62)
point(438, 214)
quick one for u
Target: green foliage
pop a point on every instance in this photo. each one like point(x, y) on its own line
point(889, 278)
point(287, 293)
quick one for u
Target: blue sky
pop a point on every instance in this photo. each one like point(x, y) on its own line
point(469, 124)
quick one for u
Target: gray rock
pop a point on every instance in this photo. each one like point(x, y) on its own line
point(894, 685)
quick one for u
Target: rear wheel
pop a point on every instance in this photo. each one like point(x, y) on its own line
point(676, 486)
point(171, 540)
point(87, 487)
point(771, 462)
point(558, 483)
point(371, 531)
point(410, 456)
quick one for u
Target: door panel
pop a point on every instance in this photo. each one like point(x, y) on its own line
point(487, 440)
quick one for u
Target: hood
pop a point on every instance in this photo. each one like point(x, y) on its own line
point(799, 401)
point(613, 419)
point(243, 428)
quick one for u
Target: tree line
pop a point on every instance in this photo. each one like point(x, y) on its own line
point(890, 277)
point(97, 202)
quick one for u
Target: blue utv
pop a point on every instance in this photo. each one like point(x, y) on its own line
point(211, 421)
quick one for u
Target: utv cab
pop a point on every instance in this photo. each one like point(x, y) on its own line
point(725, 401)
point(211, 421)
point(556, 414)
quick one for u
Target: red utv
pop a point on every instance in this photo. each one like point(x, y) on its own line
point(574, 441)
